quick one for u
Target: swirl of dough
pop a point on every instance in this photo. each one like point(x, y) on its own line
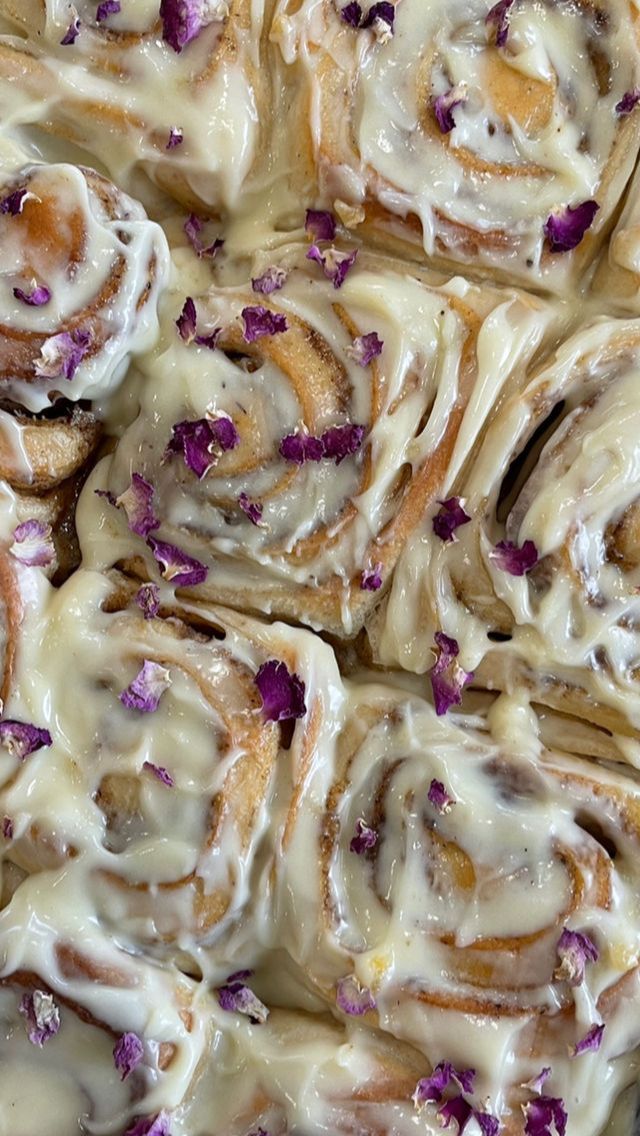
point(443, 137)
point(329, 527)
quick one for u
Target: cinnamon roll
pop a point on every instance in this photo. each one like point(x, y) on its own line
point(292, 441)
point(474, 896)
point(496, 137)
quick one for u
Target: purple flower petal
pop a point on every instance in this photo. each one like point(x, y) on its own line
point(339, 442)
point(252, 509)
point(237, 998)
point(365, 348)
point(364, 839)
point(183, 20)
point(148, 600)
point(352, 998)
point(447, 676)
point(565, 230)
point(160, 773)
point(183, 571)
point(592, 1040)
point(320, 223)
point(352, 14)
point(127, 1054)
point(380, 17)
point(536, 1084)
point(61, 355)
point(22, 739)
point(301, 447)
point(147, 688)
point(193, 227)
point(72, 32)
point(176, 138)
point(137, 502)
point(201, 441)
point(33, 544)
point(450, 517)
point(272, 280)
point(150, 1126)
point(107, 8)
point(334, 264)
point(36, 298)
point(445, 104)
point(186, 321)
point(7, 828)
point(575, 950)
point(108, 496)
point(439, 797)
point(259, 322)
point(432, 1088)
point(489, 1125)
point(282, 692)
point(14, 202)
point(628, 102)
point(545, 1116)
point(371, 578)
point(499, 17)
point(43, 1017)
point(516, 561)
point(456, 1109)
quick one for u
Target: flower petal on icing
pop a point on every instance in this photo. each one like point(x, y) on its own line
point(147, 688)
point(36, 298)
point(186, 321)
point(447, 676)
point(272, 280)
point(183, 20)
point(282, 692)
point(43, 1017)
point(72, 32)
point(545, 1116)
point(536, 1084)
point(380, 18)
point(22, 739)
point(201, 441)
point(498, 16)
point(334, 264)
point(432, 1088)
point(489, 1125)
point(371, 578)
point(175, 565)
point(127, 1054)
point(450, 517)
point(237, 998)
point(148, 600)
point(14, 202)
point(352, 998)
point(176, 138)
point(320, 223)
point(352, 14)
point(33, 544)
point(445, 104)
point(516, 561)
point(365, 838)
point(150, 1126)
point(365, 348)
point(160, 773)
point(456, 1109)
point(193, 227)
point(251, 509)
point(259, 321)
point(592, 1040)
point(565, 229)
point(7, 828)
point(339, 442)
point(301, 447)
point(137, 502)
point(575, 950)
point(628, 102)
point(61, 355)
point(107, 8)
point(439, 797)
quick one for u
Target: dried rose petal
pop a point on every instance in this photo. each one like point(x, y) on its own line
point(36, 298)
point(339, 442)
point(176, 138)
point(72, 32)
point(272, 280)
point(439, 797)
point(186, 321)
point(22, 739)
point(137, 502)
point(237, 998)
point(628, 102)
point(516, 561)
point(184, 571)
point(380, 17)
point(259, 321)
point(7, 828)
point(432, 1088)
point(150, 1126)
point(364, 839)
point(499, 17)
point(108, 496)
point(184, 20)
point(334, 264)
point(536, 1084)
point(575, 950)
point(447, 676)
point(320, 224)
point(160, 773)
point(564, 230)
point(489, 1125)
point(371, 578)
point(282, 692)
point(148, 600)
point(107, 8)
point(147, 688)
point(545, 1116)
point(592, 1040)
point(445, 104)
point(43, 1017)
point(201, 441)
point(61, 355)
point(14, 202)
point(33, 544)
point(193, 227)
point(251, 509)
point(365, 348)
point(301, 447)
point(352, 14)
point(127, 1054)
point(457, 1109)
point(352, 998)
point(450, 517)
